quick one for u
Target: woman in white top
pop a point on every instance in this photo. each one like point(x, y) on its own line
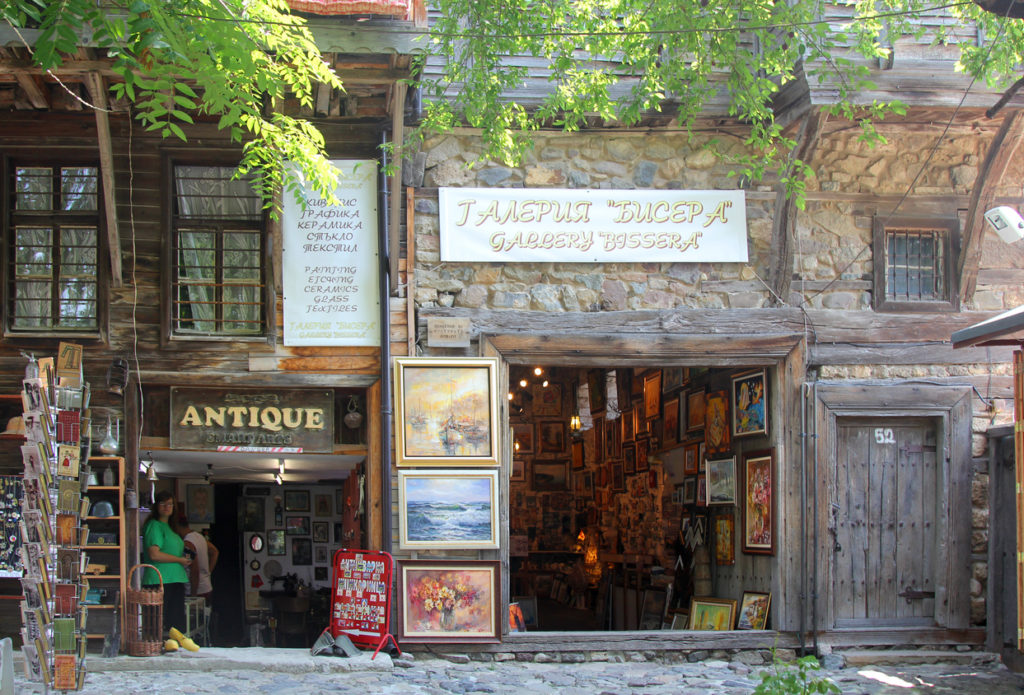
point(205, 556)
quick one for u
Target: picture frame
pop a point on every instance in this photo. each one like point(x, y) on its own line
point(446, 411)
point(753, 610)
point(578, 462)
point(750, 404)
point(551, 437)
point(672, 378)
point(689, 490)
point(322, 506)
point(695, 409)
point(643, 450)
point(550, 475)
point(598, 430)
point(321, 529)
point(628, 425)
point(547, 400)
point(612, 439)
point(725, 538)
point(691, 451)
point(758, 502)
point(618, 478)
point(296, 525)
point(454, 509)
point(716, 422)
point(518, 473)
point(522, 434)
point(597, 390)
point(671, 424)
point(199, 504)
point(302, 552)
point(652, 394)
point(721, 481)
point(276, 541)
point(629, 459)
point(681, 621)
point(339, 533)
point(320, 574)
point(712, 613)
point(528, 604)
point(322, 555)
point(702, 491)
point(253, 514)
point(296, 500)
point(653, 608)
point(471, 611)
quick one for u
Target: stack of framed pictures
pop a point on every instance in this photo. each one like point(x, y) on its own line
point(446, 439)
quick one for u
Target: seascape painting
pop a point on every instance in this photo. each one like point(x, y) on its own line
point(453, 509)
point(447, 411)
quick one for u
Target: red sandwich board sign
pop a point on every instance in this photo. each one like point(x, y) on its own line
point(361, 597)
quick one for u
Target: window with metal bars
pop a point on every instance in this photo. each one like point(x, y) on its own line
point(53, 271)
point(914, 264)
point(218, 254)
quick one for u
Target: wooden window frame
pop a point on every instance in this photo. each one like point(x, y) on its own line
point(950, 228)
point(186, 341)
point(57, 218)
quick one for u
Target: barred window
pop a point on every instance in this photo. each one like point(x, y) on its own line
point(218, 248)
point(914, 269)
point(53, 258)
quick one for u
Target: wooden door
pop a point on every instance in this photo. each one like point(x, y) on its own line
point(885, 505)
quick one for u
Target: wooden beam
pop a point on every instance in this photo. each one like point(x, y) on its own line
point(98, 93)
point(780, 271)
point(410, 267)
point(1000, 152)
point(32, 88)
point(394, 195)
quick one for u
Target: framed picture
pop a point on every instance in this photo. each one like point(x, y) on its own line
point(642, 450)
point(695, 410)
point(753, 611)
point(702, 457)
point(522, 438)
point(528, 604)
point(302, 551)
point(725, 539)
point(322, 506)
point(253, 514)
point(629, 459)
point(578, 463)
point(712, 613)
point(652, 609)
point(552, 437)
point(296, 500)
point(322, 554)
point(547, 400)
point(448, 508)
point(320, 532)
point(339, 533)
point(652, 395)
point(320, 574)
point(702, 491)
point(296, 525)
point(618, 479)
point(689, 490)
point(276, 542)
point(612, 439)
point(518, 471)
point(750, 404)
point(721, 483)
point(681, 621)
point(199, 503)
point(449, 601)
point(716, 422)
point(446, 411)
point(628, 426)
point(598, 430)
point(597, 389)
point(671, 424)
point(690, 453)
point(672, 378)
point(758, 503)
point(550, 475)
point(339, 500)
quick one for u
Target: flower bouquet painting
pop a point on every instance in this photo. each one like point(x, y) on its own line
point(449, 601)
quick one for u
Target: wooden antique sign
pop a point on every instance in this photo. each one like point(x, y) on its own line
point(281, 421)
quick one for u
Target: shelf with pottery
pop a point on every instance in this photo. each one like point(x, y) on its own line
point(108, 471)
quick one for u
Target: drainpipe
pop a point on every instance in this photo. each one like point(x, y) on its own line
point(801, 632)
point(814, 525)
point(384, 283)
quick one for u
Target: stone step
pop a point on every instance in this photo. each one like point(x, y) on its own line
point(856, 658)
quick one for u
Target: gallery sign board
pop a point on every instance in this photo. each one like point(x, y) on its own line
point(538, 225)
point(295, 420)
point(330, 257)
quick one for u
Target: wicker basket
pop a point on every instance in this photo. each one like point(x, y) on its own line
point(144, 616)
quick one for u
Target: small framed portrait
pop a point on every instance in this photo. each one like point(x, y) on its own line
point(695, 410)
point(689, 490)
point(323, 506)
point(320, 574)
point(691, 451)
point(716, 422)
point(297, 525)
point(522, 438)
point(750, 404)
point(671, 426)
point(642, 450)
point(628, 425)
point(552, 437)
point(753, 611)
point(721, 483)
point(321, 554)
point(547, 400)
point(253, 514)
point(629, 459)
point(296, 500)
point(276, 542)
point(199, 502)
point(518, 471)
point(320, 530)
point(302, 551)
point(652, 395)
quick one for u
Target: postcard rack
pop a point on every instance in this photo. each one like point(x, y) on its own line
point(56, 406)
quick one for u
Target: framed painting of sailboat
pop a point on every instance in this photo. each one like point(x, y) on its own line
point(446, 411)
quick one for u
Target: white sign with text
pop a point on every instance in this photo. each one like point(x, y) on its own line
point(330, 260)
point(538, 225)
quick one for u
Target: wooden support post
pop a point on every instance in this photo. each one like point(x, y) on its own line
point(1018, 454)
point(98, 93)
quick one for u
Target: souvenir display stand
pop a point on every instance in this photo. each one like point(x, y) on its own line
point(55, 505)
point(361, 597)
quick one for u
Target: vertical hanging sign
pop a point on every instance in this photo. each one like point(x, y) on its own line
point(330, 261)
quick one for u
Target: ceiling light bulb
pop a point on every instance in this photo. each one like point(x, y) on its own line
point(510, 396)
point(545, 384)
point(522, 382)
point(538, 371)
point(277, 479)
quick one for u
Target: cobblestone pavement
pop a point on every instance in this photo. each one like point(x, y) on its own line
point(435, 676)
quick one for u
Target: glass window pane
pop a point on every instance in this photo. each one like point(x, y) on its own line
point(212, 193)
point(79, 187)
point(33, 188)
point(915, 265)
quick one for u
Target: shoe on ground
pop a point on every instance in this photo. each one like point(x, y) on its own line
point(171, 645)
point(188, 644)
point(176, 635)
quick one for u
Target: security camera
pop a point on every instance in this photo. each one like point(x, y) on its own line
point(1006, 222)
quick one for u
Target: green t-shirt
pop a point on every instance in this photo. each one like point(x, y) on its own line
point(161, 535)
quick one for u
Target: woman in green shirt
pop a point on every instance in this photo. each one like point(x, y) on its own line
point(164, 549)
